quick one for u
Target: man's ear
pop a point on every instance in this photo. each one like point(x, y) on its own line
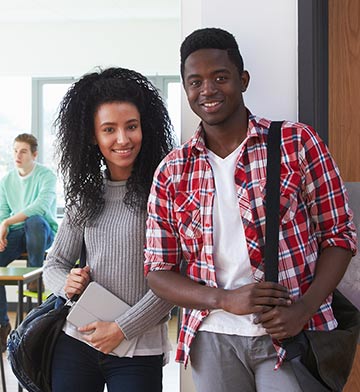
point(35, 155)
point(245, 79)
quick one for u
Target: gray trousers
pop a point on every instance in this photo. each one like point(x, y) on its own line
point(230, 363)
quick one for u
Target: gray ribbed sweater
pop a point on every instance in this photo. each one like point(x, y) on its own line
point(115, 254)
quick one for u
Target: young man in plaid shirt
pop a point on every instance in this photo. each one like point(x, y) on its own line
point(207, 219)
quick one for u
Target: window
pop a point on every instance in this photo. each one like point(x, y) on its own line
point(31, 105)
point(174, 106)
point(170, 88)
point(47, 95)
point(15, 116)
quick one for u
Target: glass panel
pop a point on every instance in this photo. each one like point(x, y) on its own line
point(15, 116)
point(52, 96)
point(174, 106)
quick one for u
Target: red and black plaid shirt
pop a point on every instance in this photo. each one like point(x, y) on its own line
point(314, 214)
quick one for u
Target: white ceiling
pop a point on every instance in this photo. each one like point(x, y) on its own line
point(86, 10)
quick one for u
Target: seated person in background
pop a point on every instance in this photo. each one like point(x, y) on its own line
point(27, 214)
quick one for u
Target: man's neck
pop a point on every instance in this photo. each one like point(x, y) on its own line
point(25, 171)
point(225, 138)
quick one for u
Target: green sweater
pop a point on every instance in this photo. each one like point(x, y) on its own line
point(34, 194)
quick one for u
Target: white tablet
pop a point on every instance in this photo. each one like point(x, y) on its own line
point(98, 304)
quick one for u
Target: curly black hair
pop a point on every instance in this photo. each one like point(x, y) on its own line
point(80, 160)
point(211, 38)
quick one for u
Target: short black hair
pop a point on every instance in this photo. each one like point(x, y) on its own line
point(211, 38)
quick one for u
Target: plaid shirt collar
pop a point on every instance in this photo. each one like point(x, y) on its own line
point(256, 127)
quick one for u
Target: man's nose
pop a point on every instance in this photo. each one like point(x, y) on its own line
point(208, 87)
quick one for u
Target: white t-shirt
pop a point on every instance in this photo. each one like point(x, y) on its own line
point(232, 263)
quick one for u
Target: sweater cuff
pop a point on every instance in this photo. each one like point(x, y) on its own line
point(139, 319)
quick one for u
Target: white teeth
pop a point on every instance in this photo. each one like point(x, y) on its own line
point(122, 151)
point(210, 104)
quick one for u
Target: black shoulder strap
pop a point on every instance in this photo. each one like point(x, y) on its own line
point(272, 202)
point(82, 263)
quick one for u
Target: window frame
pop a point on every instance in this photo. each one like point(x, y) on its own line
point(313, 65)
point(161, 82)
point(37, 107)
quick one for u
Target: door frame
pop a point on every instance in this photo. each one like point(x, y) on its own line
point(313, 65)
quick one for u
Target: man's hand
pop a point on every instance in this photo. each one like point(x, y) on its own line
point(4, 227)
point(251, 298)
point(103, 335)
point(255, 298)
point(4, 230)
point(283, 322)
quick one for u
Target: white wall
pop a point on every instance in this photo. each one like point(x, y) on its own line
point(266, 31)
point(190, 21)
point(74, 48)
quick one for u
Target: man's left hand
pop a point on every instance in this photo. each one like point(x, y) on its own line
point(282, 322)
point(4, 230)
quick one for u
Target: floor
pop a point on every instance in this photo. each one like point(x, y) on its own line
point(171, 371)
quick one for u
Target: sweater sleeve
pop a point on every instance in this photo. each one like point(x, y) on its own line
point(148, 312)
point(46, 195)
point(64, 252)
point(4, 205)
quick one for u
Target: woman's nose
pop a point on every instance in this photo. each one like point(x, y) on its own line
point(122, 137)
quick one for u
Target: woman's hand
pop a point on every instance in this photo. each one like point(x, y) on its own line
point(103, 335)
point(76, 281)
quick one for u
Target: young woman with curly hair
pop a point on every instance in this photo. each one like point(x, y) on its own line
point(113, 130)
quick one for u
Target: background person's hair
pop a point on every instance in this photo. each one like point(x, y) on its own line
point(211, 38)
point(80, 160)
point(29, 139)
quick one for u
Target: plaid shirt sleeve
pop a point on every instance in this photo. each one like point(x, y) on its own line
point(163, 250)
point(326, 195)
point(314, 213)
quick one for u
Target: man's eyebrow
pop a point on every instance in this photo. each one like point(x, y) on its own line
point(216, 71)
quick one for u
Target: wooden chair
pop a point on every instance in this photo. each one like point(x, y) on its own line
point(30, 295)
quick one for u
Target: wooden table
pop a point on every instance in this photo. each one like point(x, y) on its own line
point(12, 276)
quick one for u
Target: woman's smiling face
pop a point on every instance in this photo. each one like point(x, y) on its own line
point(118, 134)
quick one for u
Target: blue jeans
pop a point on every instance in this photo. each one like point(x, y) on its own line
point(34, 238)
point(78, 367)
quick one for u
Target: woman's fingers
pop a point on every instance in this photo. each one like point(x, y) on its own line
point(76, 281)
